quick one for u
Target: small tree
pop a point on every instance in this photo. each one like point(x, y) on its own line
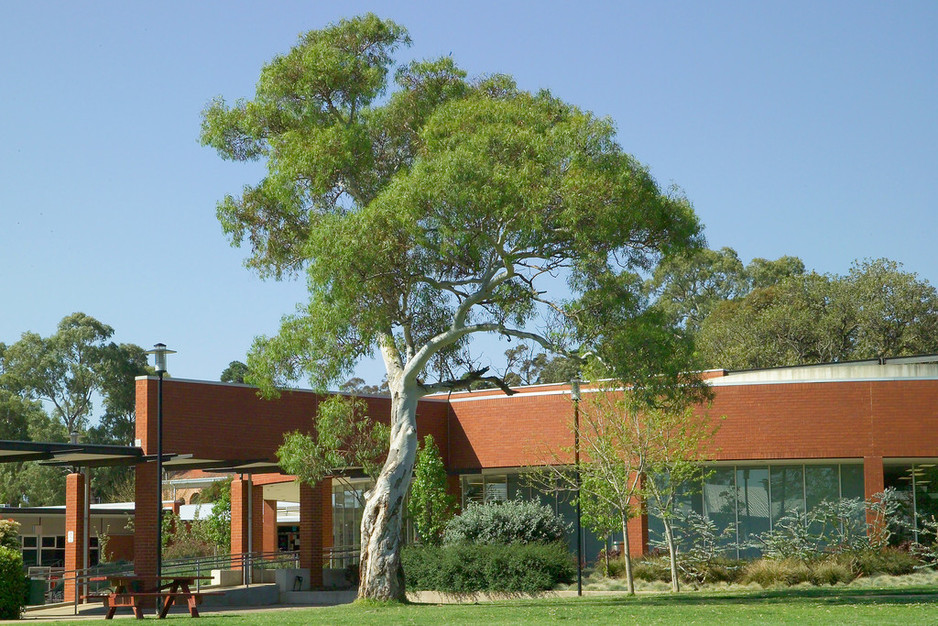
point(346, 439)
point(430, 506)
point(671, 445)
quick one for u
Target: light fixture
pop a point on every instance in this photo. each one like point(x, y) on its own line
point(159, 353)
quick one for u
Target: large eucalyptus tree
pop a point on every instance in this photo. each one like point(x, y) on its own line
point(424, 216)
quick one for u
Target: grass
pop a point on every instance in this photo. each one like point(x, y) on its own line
point(838, 605)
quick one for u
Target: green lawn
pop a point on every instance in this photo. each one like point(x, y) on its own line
point(905, 606)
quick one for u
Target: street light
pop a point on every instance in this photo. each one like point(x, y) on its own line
point(159, 353)
point(575, 395)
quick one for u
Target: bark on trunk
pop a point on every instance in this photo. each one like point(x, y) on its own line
point(381, 574)
point(629, 578)
point(669, 535)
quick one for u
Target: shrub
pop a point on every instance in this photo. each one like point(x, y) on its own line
point(12, 583)
point(10, 534)
point(699, 544)
point(775, 572)
point(891, 561)
point(831, 572)
point(466, 568)
point(647, 569)
point(514, 521)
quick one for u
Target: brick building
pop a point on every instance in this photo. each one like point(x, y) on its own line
point(788, 439)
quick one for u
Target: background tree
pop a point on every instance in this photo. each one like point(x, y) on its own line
point(357, 386)
point(427, 216)
point(689, 286)
point(62, 369)
point(234, 373)
point(430, 505)
point(23, 419)
point(877, 310)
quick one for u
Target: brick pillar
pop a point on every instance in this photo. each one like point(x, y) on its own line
point(873, 483)
point(638, 535)
point(638, 526)
point(313, 505)
point(74, 531)
point(269, 540)
point(240, 541)
point(257, 518)
point(145, 524)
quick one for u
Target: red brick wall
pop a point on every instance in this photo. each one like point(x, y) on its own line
point(230, 422)
point(766, 421)
point(120, 548)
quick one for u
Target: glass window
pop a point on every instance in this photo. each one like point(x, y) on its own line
point(752, 506)
point(926, 490)
point(821, 483)
point(473, 490)
point(496, 489)
point(899, 477)
point(719, 500)
point(787, 483)
point(852, 481)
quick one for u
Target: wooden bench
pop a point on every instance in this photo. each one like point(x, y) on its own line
point(125, 595)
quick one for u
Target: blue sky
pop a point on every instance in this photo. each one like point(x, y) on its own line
point(802, 128)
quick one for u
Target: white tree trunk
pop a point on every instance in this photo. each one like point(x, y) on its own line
point(669, 536)
point(629, 577)
point(382, 577)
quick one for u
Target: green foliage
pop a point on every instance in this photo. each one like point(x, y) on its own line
point(774, 572)
point(658, 569)
point(10, 534)
point(700, 547)
point(234, 373)
point(831, 572)
point(430, 506)
point(216, 527)
point(889, 561)
point(514, 521)
point(649, 569)
point(62, 368)
point(432, 214)
point(833, 527)
point(185, 539)
point(345, 437)
point(451, 187)
point(465, 568)
point(877, 310)
point(12, 583)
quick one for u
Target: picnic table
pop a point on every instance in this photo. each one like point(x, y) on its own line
point(134, 591)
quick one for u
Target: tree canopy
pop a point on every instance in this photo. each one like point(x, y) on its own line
point(876, 310)
point(429, 210)
point(66, 373)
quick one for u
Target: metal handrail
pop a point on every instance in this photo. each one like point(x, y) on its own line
point(85, 579)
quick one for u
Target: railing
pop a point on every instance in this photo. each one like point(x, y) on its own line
point(341, 557)
point(93, 579)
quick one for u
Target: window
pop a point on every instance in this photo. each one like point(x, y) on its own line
point(484, 488)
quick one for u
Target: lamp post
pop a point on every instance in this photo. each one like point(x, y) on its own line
point(575, 395)
point(159, 353)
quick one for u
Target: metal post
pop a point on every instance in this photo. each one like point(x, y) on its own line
point(159, 485)
point(575, 392)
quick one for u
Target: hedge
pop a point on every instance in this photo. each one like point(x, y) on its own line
point(466, 568)
point(12, 583)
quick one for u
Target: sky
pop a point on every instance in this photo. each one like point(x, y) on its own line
point(795, 128)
